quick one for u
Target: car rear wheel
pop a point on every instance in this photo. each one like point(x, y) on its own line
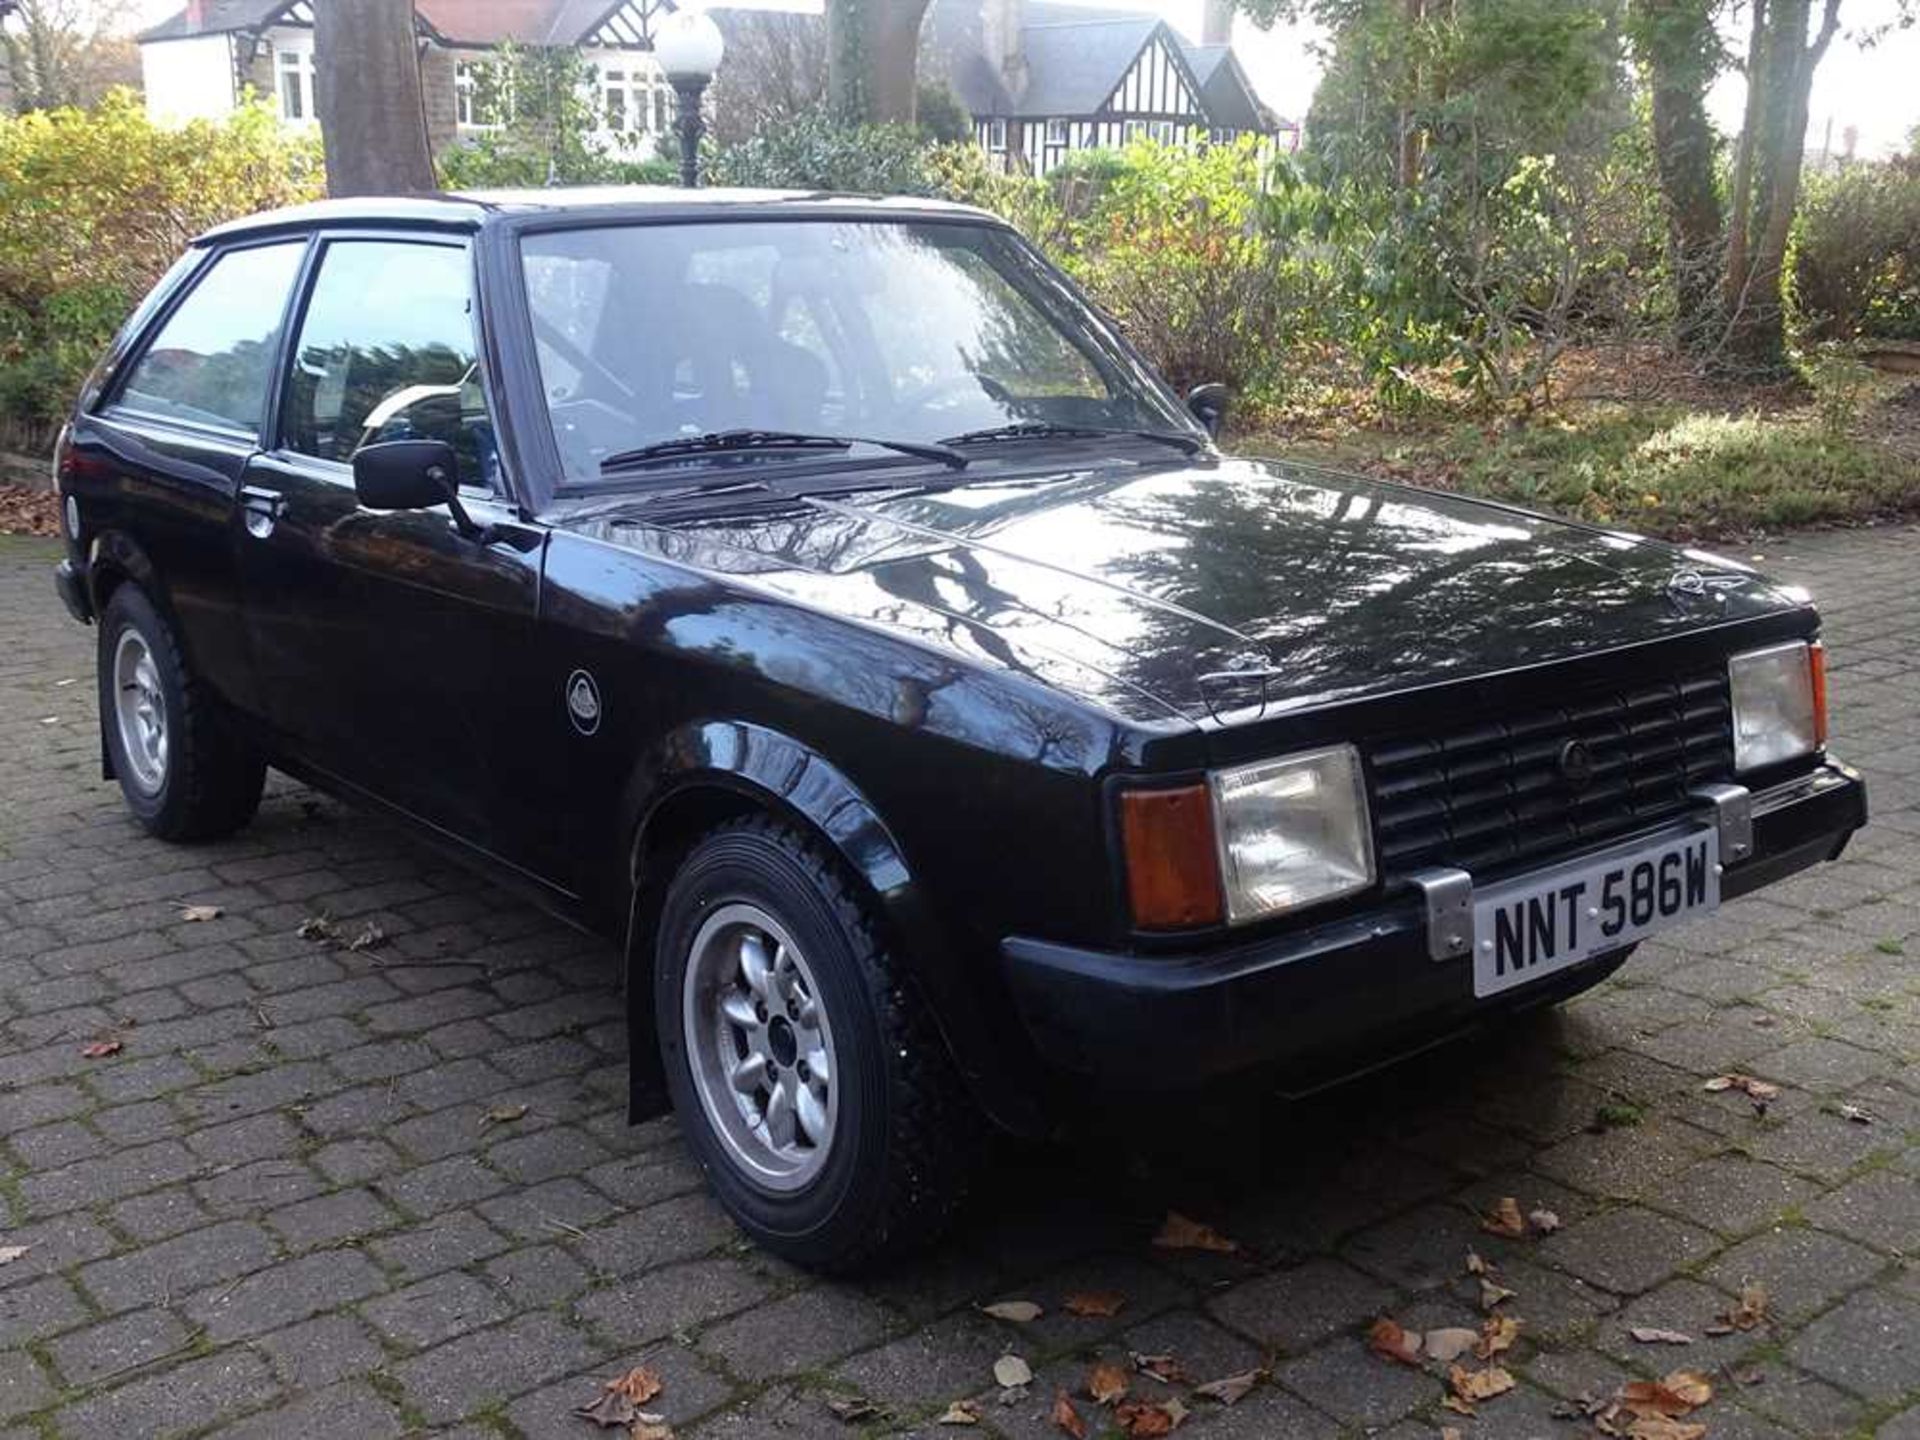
point(811, 1084)
point(185, 776)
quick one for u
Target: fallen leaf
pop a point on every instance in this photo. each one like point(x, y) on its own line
point(854, 1409)
point(1457, 1405)
point(1496, 1336)
point(1475, 1265)
point(1651, 1335)
point(1659, 1427)
point(1066, 1418)
point(1492, 1294)
point(1106, 1383)
point(1094, 1304)
point(11, 1253)
point(1752, 1309)
point(1858, 1114)
point(650, 1427)
point(1450, 1344)
point(315, 927)
point(192, 913)
point(1679, 1394)
point(610, 1409)
point(1229, 1389)
point(1505, 1219)
point(1450, 1432)
point(1755, 1089)
point(370, 938)
point(639, 1385)
point(1017, 1311)
point(1473, 1385)
point(100, 1049)
point(960, 1412)
point(1141, 1419)
point(1010, 1371)
point(1163, 1368)
point(1389, 1341)
point(503, 1115)
point(1177, 1232)
point(1543, 1221)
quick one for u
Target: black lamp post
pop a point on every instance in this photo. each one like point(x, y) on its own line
point(688, 46)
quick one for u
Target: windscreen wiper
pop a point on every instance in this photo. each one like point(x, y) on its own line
point(745, 442)
point(1050, 430)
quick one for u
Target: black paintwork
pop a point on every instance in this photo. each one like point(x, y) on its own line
point(946, 676)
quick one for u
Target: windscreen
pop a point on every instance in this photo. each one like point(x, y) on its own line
point(910, 331)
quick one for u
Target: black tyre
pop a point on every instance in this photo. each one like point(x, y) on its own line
point(185, 776)
point(811, 1084)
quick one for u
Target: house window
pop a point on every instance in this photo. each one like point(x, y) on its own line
point(996, 135)
point(478, 103)
point(1133, 130)
point(1059, 133)
point(635, 98)
point(293, 82)
point(1163, 131)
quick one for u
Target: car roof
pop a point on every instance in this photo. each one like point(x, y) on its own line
point(470, 209)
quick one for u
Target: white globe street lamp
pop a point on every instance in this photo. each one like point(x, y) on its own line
point(687, 45)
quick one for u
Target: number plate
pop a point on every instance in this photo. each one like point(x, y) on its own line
point(1531, 928)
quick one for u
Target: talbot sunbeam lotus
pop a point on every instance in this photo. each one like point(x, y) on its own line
point(822, 599)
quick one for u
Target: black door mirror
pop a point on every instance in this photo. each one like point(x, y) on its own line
point(405, 474)
point(1209, 406)
point(415, 475)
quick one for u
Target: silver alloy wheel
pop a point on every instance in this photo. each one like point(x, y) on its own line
point(140, 707)
point(760, 1047)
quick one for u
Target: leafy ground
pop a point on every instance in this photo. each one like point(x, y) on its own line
point(1633, 443)
point(28, 512)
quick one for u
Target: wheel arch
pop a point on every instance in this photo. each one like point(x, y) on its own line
point(709, 773)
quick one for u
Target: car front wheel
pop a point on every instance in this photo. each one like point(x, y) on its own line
point(811, 1084)
point(185, 776)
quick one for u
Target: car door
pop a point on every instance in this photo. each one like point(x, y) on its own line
point(156, 466)
point(391, 647)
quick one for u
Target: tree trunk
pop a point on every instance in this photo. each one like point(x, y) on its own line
point(1676, 45)
point(1778, 88)
point(373, 123)
point(873, 48)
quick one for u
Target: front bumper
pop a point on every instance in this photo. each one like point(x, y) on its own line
point(1316, 1004)
point(72, 586)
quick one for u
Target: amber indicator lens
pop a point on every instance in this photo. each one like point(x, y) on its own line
point(1173, 869)
point(1817, 669)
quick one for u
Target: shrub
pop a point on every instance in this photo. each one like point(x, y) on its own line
point(97, 205)
point(818, 152)
point(1173, 244)
point(1856, 253)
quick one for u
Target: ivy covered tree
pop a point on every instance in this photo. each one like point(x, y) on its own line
point(873, 48)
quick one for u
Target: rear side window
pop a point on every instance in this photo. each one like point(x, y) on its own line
point(209, 362)
point(386, 352)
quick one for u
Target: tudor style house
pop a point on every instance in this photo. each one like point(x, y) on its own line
point(1044, 78)
point(1041, 78)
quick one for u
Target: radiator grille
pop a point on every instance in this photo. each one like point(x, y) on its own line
point(1495, 794)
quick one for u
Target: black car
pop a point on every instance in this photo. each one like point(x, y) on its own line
point(822, 599)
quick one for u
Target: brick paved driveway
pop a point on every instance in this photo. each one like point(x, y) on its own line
point(280, 1210)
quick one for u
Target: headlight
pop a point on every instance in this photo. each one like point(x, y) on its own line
point(1292, 831)
point(1779, 704)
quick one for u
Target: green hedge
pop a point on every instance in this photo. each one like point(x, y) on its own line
point(94, 206)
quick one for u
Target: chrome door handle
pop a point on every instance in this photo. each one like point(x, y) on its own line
point(261, 509)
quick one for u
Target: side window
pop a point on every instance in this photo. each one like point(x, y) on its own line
point(209, 362)
point(386, 351)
